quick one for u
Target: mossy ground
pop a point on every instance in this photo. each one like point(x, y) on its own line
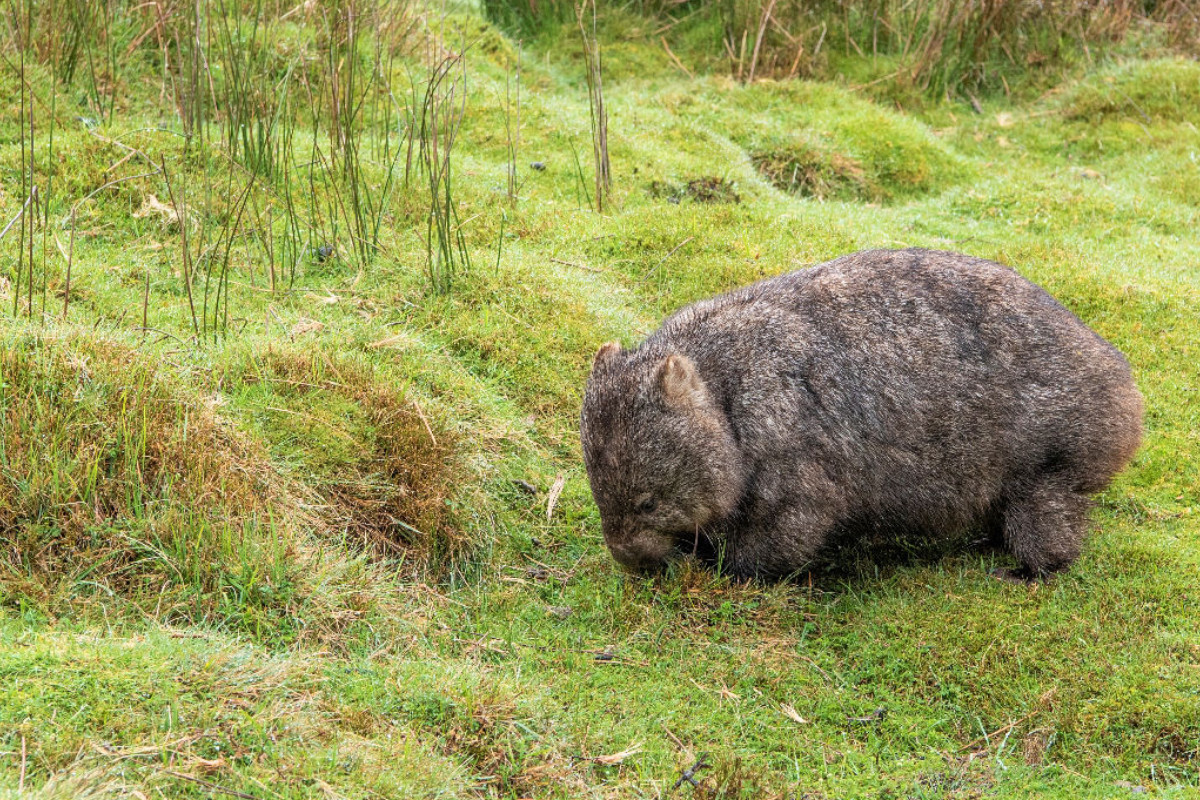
point(222, 573)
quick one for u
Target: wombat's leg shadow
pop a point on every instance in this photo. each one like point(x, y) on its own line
point(857, 551)
point(1043, 526)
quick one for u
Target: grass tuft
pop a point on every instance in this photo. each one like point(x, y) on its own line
point(121, 484)
point(806, 171)
point(712, 189)
point(107, 461)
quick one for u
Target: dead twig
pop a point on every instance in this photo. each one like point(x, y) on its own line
point(617, 758)
point(814, 664)
point(675, 58)
point(20, 214)
point(424, 421)
point(987, 737)
point(216, 787)
point(663, 260)
point(675, 739)
point(576, 266)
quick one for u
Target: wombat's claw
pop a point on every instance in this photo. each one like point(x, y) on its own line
point(1021, 577)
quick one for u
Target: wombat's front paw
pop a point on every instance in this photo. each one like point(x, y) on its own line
point(1020, 576)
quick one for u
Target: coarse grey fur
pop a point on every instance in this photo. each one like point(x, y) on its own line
point(884, 393)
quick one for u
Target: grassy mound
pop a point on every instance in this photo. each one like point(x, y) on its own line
point(122, 483)
point(112, 467)
point(819, 140)
point(802, 169)
point(1142, 91)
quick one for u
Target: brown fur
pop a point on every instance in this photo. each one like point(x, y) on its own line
point(884, 392)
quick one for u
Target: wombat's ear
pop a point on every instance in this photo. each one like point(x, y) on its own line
point(606, 353)
point(679, 382)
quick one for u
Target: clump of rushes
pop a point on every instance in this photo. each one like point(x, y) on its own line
point(936, 46)
point(442, 106)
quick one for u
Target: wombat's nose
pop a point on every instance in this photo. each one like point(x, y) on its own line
point(623, 554)
point(634, 559)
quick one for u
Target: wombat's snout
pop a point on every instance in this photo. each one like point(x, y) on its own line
point(644, 552)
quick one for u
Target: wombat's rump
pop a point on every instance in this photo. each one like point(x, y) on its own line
point(884, 392)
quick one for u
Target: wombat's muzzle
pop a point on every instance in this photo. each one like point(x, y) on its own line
point(634, 561)
point(644, 554)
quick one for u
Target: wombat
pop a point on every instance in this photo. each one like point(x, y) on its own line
point(885, 393)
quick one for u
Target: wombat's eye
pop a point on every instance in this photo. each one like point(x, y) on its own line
point(647, 505)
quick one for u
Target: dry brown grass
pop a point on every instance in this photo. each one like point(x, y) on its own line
point(938, 45)
point(1182, 19)
point(809, 172)
point(389, 470)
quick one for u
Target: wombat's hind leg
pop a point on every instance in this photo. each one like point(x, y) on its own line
point(1044, 528)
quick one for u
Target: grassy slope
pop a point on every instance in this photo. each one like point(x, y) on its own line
point(324, 675)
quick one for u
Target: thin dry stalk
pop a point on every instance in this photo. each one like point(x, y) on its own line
point(145, 304)
point(32, 227)
point(25, 188)
point(513, 132)
point(16, 217)
point(762, 28)
point(70, 262)
point(599, 113)
point(187, 253)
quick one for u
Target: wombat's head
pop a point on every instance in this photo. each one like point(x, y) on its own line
point(659, 452)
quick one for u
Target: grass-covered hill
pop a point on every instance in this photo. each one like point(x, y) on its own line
point(294, 334)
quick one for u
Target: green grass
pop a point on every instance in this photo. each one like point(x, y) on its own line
point(210, 580)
